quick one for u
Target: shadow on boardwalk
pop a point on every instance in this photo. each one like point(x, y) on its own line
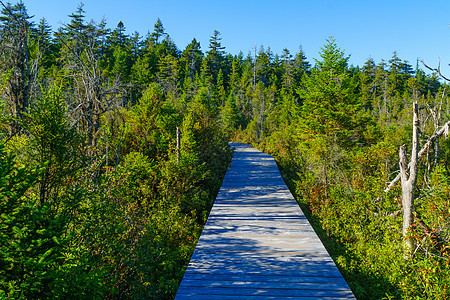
point(257, 243)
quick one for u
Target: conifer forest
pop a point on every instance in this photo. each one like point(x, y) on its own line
point(98, 202)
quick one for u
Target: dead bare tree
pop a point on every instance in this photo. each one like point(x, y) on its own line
point(95, 94)
point(408, 171)
point(409, 180)
point(14, 57)
point(408, 175)
point(442, 131)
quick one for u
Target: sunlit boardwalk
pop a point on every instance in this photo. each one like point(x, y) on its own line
point(257, 243)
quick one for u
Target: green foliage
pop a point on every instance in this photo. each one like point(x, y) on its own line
point(120, 219)
point(331, 122)
point(53, 144)
point(136, 240)
point(14, 184)
point(330, 107)
point(151, 124)
point(230, 117)
point(35, 257)
point(142, 219)
point(338, 162)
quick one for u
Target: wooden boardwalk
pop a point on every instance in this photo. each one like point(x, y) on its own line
point(257, 243)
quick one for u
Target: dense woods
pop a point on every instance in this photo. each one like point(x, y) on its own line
point(99, 200)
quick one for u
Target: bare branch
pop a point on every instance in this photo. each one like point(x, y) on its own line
point(444, 129)
point(436, 70)
point(75, 55)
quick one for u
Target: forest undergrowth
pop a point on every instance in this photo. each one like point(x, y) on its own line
point(114, 146)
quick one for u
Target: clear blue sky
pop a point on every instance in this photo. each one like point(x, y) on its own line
point(361, 28)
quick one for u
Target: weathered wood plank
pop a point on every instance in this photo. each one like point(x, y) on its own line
point(265, 272)
point(265, 278)
point(261, 253)
point(257, 243)
point(254, 284)
point(243, 292)
point(254, 297)
point(260, 265)
point(258, 259)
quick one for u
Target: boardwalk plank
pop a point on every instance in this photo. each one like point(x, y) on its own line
point(257, 243)
point(266, 278)
point(233, 297)
point(265, 272)
point(266, 284)
point(271, 292)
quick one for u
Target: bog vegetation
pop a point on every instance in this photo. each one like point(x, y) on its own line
point(97, 200)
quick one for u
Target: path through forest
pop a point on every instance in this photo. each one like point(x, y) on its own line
point(257, 243)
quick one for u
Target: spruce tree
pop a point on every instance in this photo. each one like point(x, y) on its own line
point(191, 59)
point(158, 32)
point(330, 123)
point(215, 55)
point(329, 105)
point(288, 79)
point(229, 116)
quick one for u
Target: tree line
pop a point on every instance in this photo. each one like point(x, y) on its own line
point(99, 200)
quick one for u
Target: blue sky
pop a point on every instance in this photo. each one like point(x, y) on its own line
point(361, 28)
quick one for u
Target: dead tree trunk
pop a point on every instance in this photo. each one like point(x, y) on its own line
point(409, 182)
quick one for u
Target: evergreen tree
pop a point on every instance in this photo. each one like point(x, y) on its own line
point(118, 54)
point(39, 205)
point(219, 92)
point(76, 33)
point(368, 87)
point(229, 116)
point(144, 69)
point(215, 45)
point(215, 55)
point(329, 105)
point(56, 145)
point(191, 60)
point(259, 112)
point(235, 76)
point(399, 73)
point(302, 66)
point(158, 33)
point(136, 42)
point(264, 66)
point(288, 79)
point(168, 74)
point(330, 118)
point(25, 247)
point(118, 36)
point(43, 49)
